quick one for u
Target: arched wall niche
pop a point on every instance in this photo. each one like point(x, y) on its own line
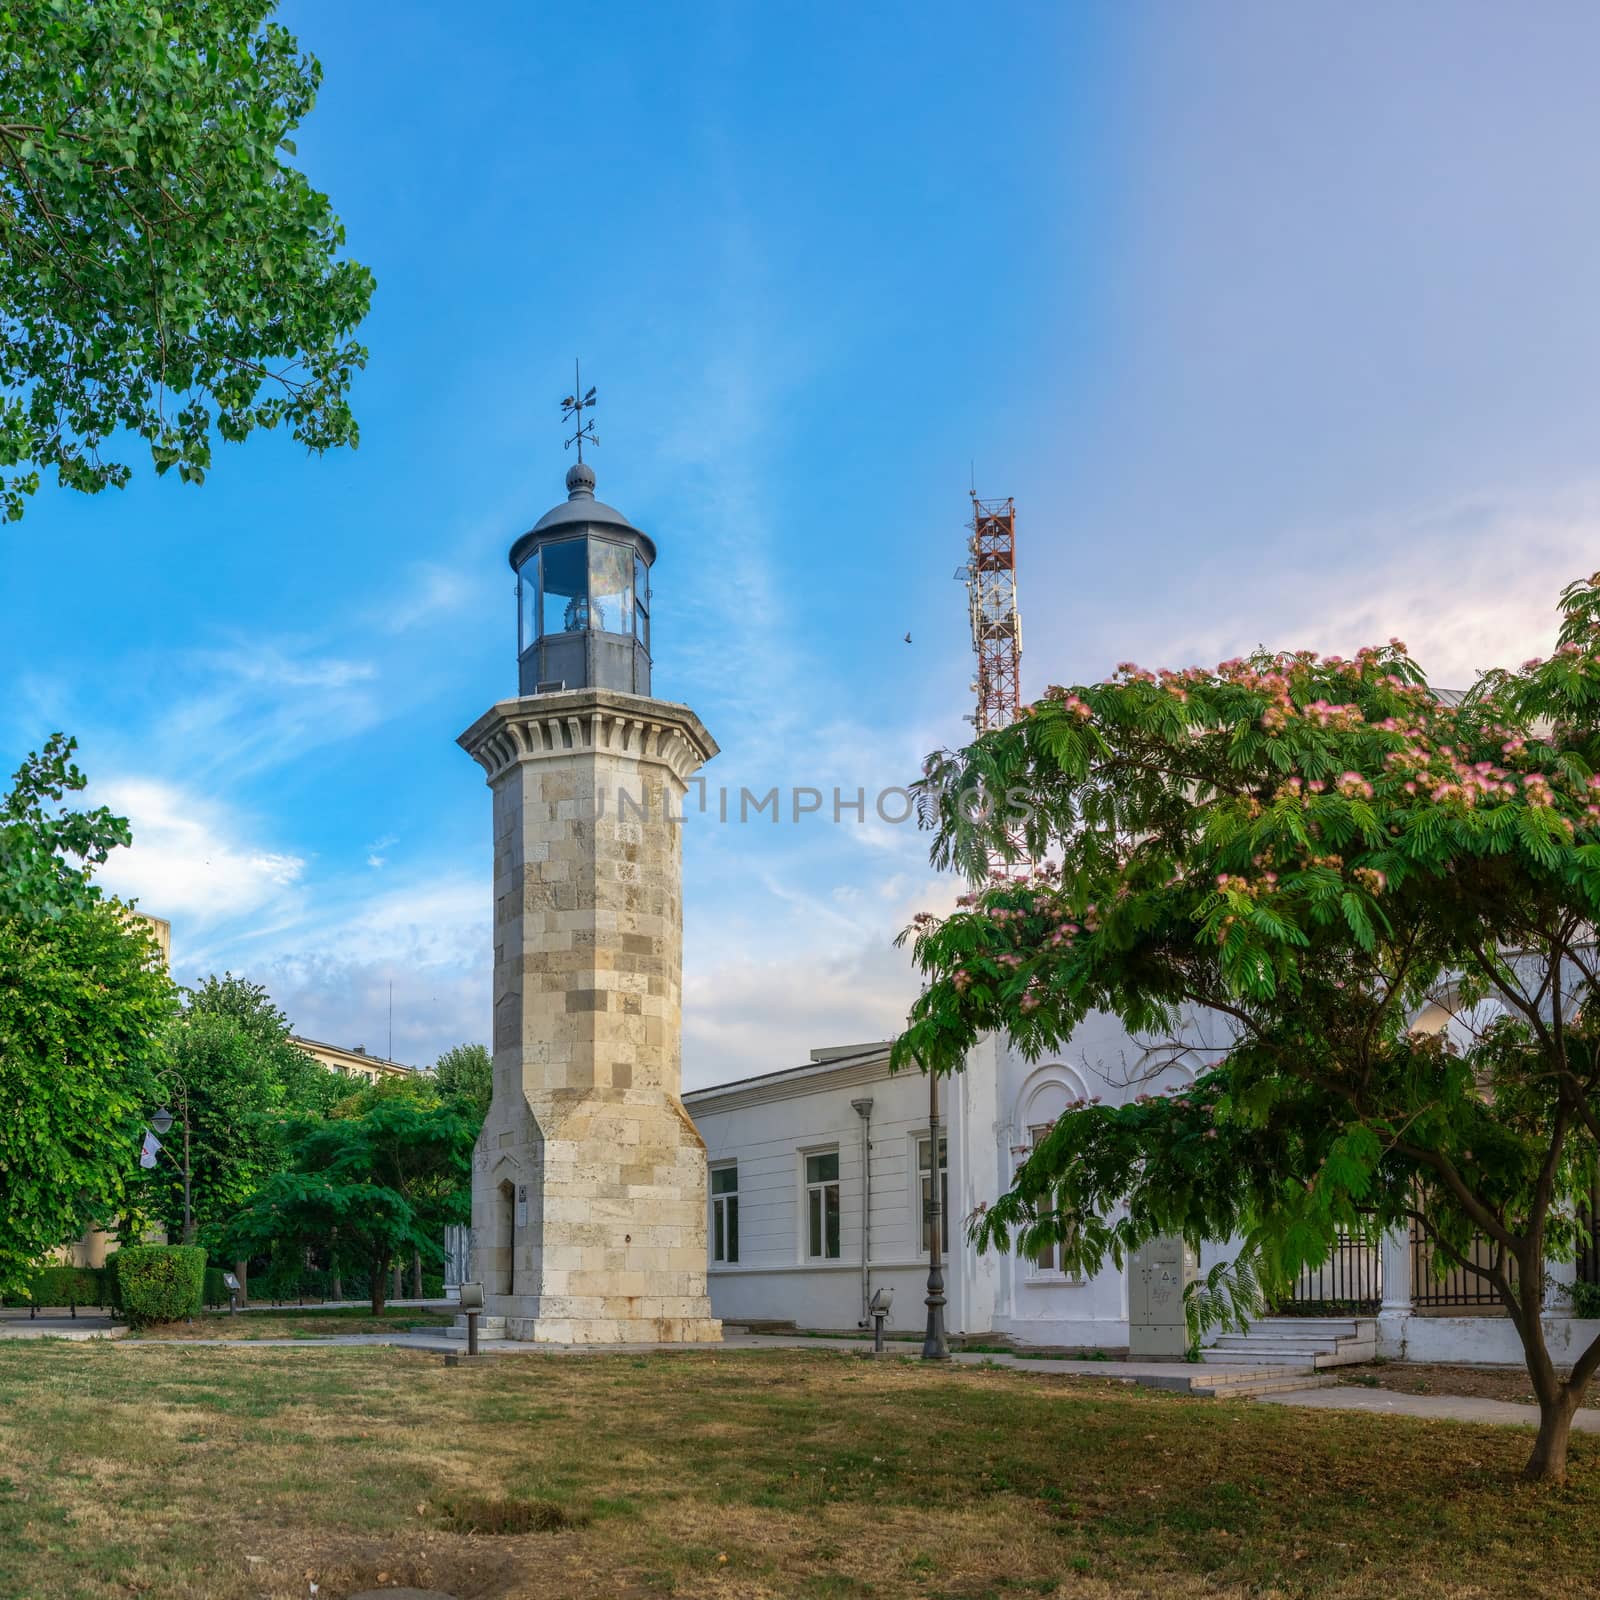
point(1046, 1092)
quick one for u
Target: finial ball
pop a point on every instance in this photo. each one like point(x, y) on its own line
point(580, 479)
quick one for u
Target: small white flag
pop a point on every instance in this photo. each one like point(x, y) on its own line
point(150, 1149)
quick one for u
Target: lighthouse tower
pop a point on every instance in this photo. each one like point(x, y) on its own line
point(589, 1179)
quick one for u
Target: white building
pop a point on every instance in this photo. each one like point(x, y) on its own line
point(820, 1176)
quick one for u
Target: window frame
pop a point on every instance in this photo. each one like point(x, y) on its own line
point(922, 1142)
point(641, 601)
point(820, 1188)
point(724, 1211)
point(582, 541)
point(1037, 1271)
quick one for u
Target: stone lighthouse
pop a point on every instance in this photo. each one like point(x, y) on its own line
point(589, 1179)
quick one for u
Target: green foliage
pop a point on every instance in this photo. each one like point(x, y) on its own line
point(304, 1085)
point(465, 1073)
point(216, 1291)
point(230, 1061)
point(158, 1282)
point(1288, 874)
point(373, 1188)
point(83, 1001)
point(1586, 1299)
point(163, 270)
point(47, 853)
point(61, 1285)
point(360, 1095)
point(213, 1075)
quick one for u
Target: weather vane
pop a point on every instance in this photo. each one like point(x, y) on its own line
point(573, 408)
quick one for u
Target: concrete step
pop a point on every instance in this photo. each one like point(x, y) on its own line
point(1245, 1343)
point(1285, 1383)
point(1288, 1341)
point(488, 1328)
point(1238, 1384)
point(1194, 1379)
point(1316, 1324)
point(1257, 1355)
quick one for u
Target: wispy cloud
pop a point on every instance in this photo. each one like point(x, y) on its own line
point(190, 858)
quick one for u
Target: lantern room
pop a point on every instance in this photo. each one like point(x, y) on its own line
point(583, 597)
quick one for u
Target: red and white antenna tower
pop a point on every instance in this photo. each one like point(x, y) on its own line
point(990, 574)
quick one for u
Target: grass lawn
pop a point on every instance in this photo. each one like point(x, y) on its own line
point(240, 1473)
point(299, 1322)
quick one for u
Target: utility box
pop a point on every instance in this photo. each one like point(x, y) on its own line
point(1157, 1277)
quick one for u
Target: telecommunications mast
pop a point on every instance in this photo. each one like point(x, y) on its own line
point(990, 574)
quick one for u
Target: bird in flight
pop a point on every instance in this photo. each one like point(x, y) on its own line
point(908, 638)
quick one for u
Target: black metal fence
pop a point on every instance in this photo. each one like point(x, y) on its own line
point(1459, 1287)
point(1348, 1283)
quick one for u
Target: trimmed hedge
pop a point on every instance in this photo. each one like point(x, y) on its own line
point(69, 1286)
point(61, 1285)
point(159, 1282)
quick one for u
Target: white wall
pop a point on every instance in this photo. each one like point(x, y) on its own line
point(766, 1124)
point(767, 1127)
point(1484, 1341)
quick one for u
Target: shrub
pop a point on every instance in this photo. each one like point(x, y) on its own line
point(62, 1285)
point(67, 1286)
point(216, 1292)
point(159, 1282)
point(1586, 1299)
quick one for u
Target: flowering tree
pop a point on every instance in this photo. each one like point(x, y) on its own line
point(1318, 862)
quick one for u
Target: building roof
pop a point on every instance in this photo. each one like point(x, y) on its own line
point(350, 1060)
point(842, 1064)
point(579, 510)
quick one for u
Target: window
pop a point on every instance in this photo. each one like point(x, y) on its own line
point(610, 586)
point(725, 1212)
point(925, 1193)
point(527, 603)
point(641, 602)
point(1045, 1263)
point(564, 586)
point(822, 1206)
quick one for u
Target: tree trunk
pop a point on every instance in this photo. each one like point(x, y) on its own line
point(399, 1289)
point(241, 1270)
point(1548, 1463)
point(380, 1272)
point(336, 1286)
point(1557, 1398)
point(416, 1274)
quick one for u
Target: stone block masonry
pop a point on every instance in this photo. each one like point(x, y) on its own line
point(589, 1180)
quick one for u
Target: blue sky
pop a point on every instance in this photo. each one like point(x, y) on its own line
point(1279, 322)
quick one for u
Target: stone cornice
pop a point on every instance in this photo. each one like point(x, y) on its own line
point(543, 727)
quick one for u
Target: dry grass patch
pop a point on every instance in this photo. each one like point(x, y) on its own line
point(1419, 1377)
point(296, 1322)
point(246, 1472)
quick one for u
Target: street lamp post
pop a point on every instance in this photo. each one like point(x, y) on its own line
point(934, 1346)
point(162, 1122)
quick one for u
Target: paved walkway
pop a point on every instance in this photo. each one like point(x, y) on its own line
point(1436, 1407)
point(86, 1325)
